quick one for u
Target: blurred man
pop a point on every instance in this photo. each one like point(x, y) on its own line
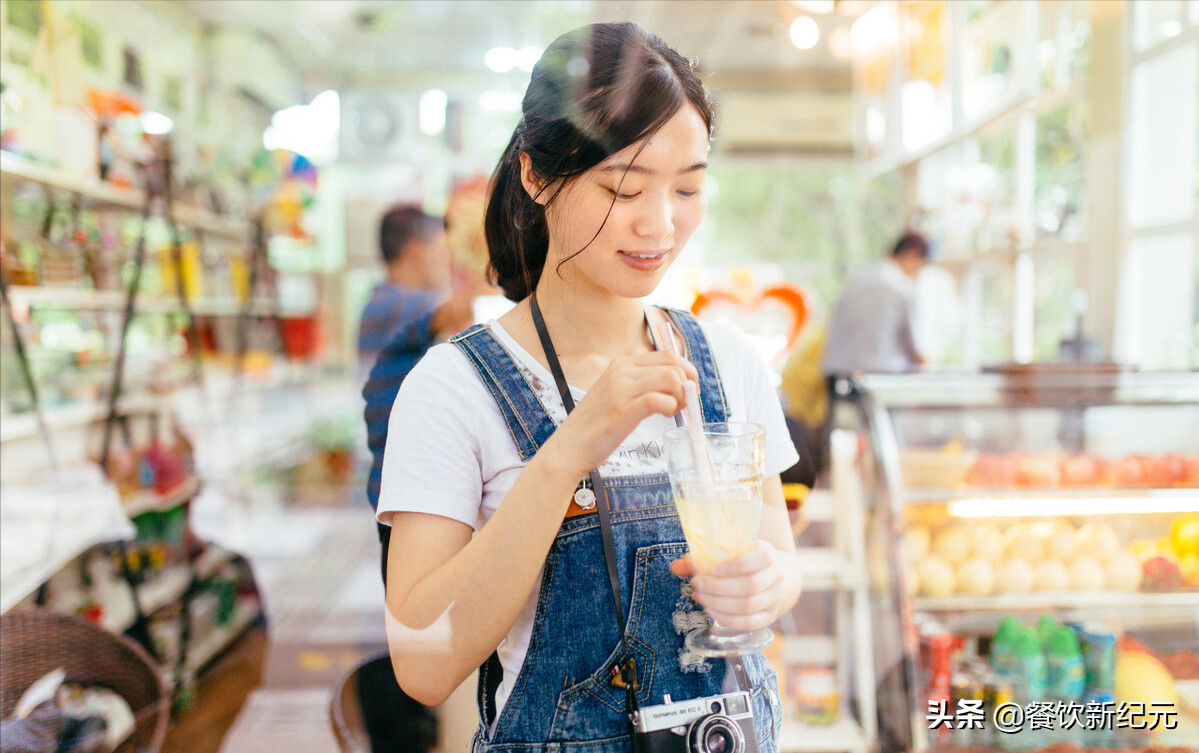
point(872, 327)
point(409, 312)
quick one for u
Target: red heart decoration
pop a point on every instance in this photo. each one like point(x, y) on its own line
point(778, 311)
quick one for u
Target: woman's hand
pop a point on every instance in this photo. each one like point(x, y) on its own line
point(630, 390)
point(744, 593)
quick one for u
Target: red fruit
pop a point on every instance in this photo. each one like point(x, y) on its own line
point(1038, 471)
point(1190, 475)
point(1079, 470)
point(1160, 574)
point(1129, 471)
point(1176, 468)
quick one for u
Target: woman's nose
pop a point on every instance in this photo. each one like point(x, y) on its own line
point(655, 218)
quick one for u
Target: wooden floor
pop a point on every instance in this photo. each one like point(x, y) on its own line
point(219, 696)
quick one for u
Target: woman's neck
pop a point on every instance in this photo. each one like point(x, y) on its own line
point(583, 322)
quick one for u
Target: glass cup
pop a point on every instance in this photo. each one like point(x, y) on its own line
point(721, 510)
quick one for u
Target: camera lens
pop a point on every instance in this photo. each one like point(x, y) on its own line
point(715, 734)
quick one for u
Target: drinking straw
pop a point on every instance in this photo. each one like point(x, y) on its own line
point(693, 421)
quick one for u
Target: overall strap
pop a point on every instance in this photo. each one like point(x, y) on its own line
point(697, 350)
point(528, 421)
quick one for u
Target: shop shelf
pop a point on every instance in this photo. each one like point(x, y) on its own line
point(974, 614)
point(844, 734)
point(823, 568)
point(1182, 496)
point(105, 194)
point(203, 652)
point(48, 296)
point(166, 589)
point(148, 501)
point(24, 425)
point(809, 650)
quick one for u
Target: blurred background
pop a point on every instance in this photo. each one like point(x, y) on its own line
point(191, 198)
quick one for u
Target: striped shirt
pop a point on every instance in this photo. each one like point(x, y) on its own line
point(393, 336)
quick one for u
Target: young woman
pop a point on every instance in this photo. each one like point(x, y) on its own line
point(493, 563)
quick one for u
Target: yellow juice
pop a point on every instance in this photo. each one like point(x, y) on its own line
point(721, 524)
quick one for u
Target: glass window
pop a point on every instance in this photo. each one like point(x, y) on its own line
point(1157, 20)
point(1060, 182)
point(997, 300)
point(925, 98)
point(989, 175)
point(1160, 302)
point(873, 39)
point(1053, 319)
point(1064, 47)
point(1165, 118)
point(992, 66)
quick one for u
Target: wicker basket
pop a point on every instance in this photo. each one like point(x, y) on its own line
point(34, 642)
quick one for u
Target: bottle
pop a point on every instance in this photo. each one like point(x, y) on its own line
point(1029, 662)
point(1046, 626)
point(1001, 645)
point(1067, 672)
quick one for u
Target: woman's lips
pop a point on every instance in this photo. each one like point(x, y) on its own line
point(644, 261)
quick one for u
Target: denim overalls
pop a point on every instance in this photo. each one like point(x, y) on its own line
point(564, 698)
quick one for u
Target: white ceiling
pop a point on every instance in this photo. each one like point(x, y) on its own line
point(338, 43)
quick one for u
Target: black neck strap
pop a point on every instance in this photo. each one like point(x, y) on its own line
point(628, 672)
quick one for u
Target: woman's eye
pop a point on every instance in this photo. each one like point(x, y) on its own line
point(619, 195)
point(688, 194)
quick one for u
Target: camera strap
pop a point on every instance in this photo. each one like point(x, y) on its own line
point(628, 672)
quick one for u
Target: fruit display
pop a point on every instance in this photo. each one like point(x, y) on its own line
point(1055, 470)
point(983, 558)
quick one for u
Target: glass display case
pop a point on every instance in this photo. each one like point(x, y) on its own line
point(1033, 545)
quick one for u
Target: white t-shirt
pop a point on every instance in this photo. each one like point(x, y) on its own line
point(449, 451)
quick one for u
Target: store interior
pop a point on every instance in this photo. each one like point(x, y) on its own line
point(190, 199)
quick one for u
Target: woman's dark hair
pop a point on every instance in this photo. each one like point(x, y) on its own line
point(595, 91)
point(913, 241)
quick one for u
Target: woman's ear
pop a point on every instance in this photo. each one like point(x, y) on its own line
point(533, 184)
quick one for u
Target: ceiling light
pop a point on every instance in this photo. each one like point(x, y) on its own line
point(805, 32)
point(527, 57)
point(500, 59)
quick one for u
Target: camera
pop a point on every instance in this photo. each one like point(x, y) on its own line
point(716, 724)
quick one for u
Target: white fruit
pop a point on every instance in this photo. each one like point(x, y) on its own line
point(987, 542)
point(976, 576)
point(1063, 541)
point(1124, 572)
point(953, 544)
point(916, 541)
point(1014, 576)
point(936, 576)
point(1020, 541)
point(1098, 540)
point(1086, 574)
point(1051, 575)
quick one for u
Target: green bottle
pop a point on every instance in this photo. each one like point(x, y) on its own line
point(1046, 626)
point(1001, 645)
point(1067, 672)
point(1029, 659)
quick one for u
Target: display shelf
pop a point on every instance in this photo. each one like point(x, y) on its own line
point(213, 644)
point(1061, 600)
point(149, 501)
point(166, 589)
point(1180, 499)
point(212, 560)
point(809, 650)
point(24, 425)
point(823, 568)
point(844, 734)
point(107, 194)
point(49, 296)
point(70, 541)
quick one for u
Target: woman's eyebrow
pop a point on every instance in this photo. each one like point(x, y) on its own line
point(625, 167)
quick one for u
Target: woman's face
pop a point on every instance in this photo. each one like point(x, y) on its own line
point(656, 191)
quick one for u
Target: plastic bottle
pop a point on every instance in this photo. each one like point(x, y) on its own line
point(1001, 645)
point(1067, 672)
point(1029, 660)
point(1046, 626)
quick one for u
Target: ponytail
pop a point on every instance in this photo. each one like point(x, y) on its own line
point(515, 229)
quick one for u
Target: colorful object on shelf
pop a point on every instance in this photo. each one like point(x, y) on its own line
point(1026, 470)
point(817, 699)
point(774, 317)
point(1138, 677)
